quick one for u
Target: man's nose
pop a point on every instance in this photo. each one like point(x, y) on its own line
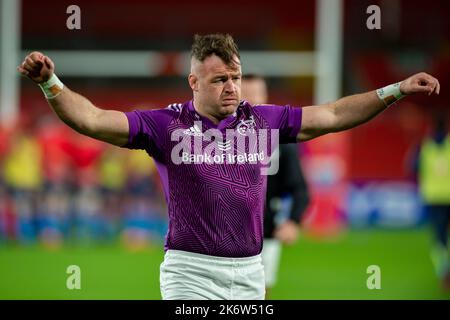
point(230, 86)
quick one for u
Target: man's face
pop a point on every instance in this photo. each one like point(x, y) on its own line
point(216, 86)
point(254, 91)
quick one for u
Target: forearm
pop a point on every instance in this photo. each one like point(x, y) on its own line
point(354, 110)
point(84, 117)
point(75, 110)
point(72, 108)
point(343, 114)
point(357, 109)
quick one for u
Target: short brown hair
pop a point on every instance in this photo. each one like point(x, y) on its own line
point(222, 45)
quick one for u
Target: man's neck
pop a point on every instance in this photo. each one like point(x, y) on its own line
point(205, 114)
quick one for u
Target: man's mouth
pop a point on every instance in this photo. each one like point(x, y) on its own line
point(229, 100)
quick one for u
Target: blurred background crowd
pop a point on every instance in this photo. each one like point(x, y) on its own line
point(60, 187)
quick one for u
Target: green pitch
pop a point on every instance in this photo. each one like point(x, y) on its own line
point(312, 269)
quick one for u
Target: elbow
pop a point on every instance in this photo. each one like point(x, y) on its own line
point(85, 124)
point(85, 128)
point(333, 122)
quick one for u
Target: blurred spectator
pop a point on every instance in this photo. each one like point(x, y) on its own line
point(145, 218)
point(144, 223)
point(141, 171)
point(22, 174)
point(287, 194)
point(91, 223)
point(85, 154)
point(113, 179)
point(112, 169)
point(54, 138)
point(22, 169)
point(434, 185)
point(4, 145)
point(7, 217)
point(53, 217)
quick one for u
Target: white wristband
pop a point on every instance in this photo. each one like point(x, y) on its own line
point(52, 87)
point(390, 94)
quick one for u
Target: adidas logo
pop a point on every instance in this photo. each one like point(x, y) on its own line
point(193, 131)
point(175, 107)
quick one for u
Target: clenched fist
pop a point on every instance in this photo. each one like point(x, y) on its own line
point(420, 82)
point(37, 67)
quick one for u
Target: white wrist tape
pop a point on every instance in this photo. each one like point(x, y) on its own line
point(390, 94)
point(52, 87)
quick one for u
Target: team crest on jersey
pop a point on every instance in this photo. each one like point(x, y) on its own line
point(246, 127)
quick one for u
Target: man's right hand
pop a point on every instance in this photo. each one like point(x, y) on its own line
point(37, 67)
point(287, 232)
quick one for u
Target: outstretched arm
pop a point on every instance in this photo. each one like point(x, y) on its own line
point(351, 111)
point(74, 109)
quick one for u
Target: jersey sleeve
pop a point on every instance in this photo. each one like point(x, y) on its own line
point(147, 130)
point(287, 119)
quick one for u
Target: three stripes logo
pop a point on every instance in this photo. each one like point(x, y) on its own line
point(193, 131)
point(175, 107)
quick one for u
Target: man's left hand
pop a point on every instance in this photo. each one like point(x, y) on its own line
point(420, 82)
point(287, 232)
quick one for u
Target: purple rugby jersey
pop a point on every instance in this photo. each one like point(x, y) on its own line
point(215, 203)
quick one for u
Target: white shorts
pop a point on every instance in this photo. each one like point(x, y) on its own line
point(193, 276)
point(270, 254)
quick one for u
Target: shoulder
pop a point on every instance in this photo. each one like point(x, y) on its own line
point(271, 110)
point(154, 120)
point(267, 108)
point(262, 110)
point(274, 112)
point(175, 107)
point(173, 110)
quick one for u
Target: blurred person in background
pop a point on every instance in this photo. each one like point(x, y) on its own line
point(113, 179)
point(55, 215)
point(91, 221)
point(434, 186)
point(7, 217)
point(287, 186)
point(4, 197)
point(53, 219)
point(23, 177)
point(145, 221)
point(215, 221)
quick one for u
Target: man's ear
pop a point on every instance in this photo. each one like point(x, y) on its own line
point(193, 82)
